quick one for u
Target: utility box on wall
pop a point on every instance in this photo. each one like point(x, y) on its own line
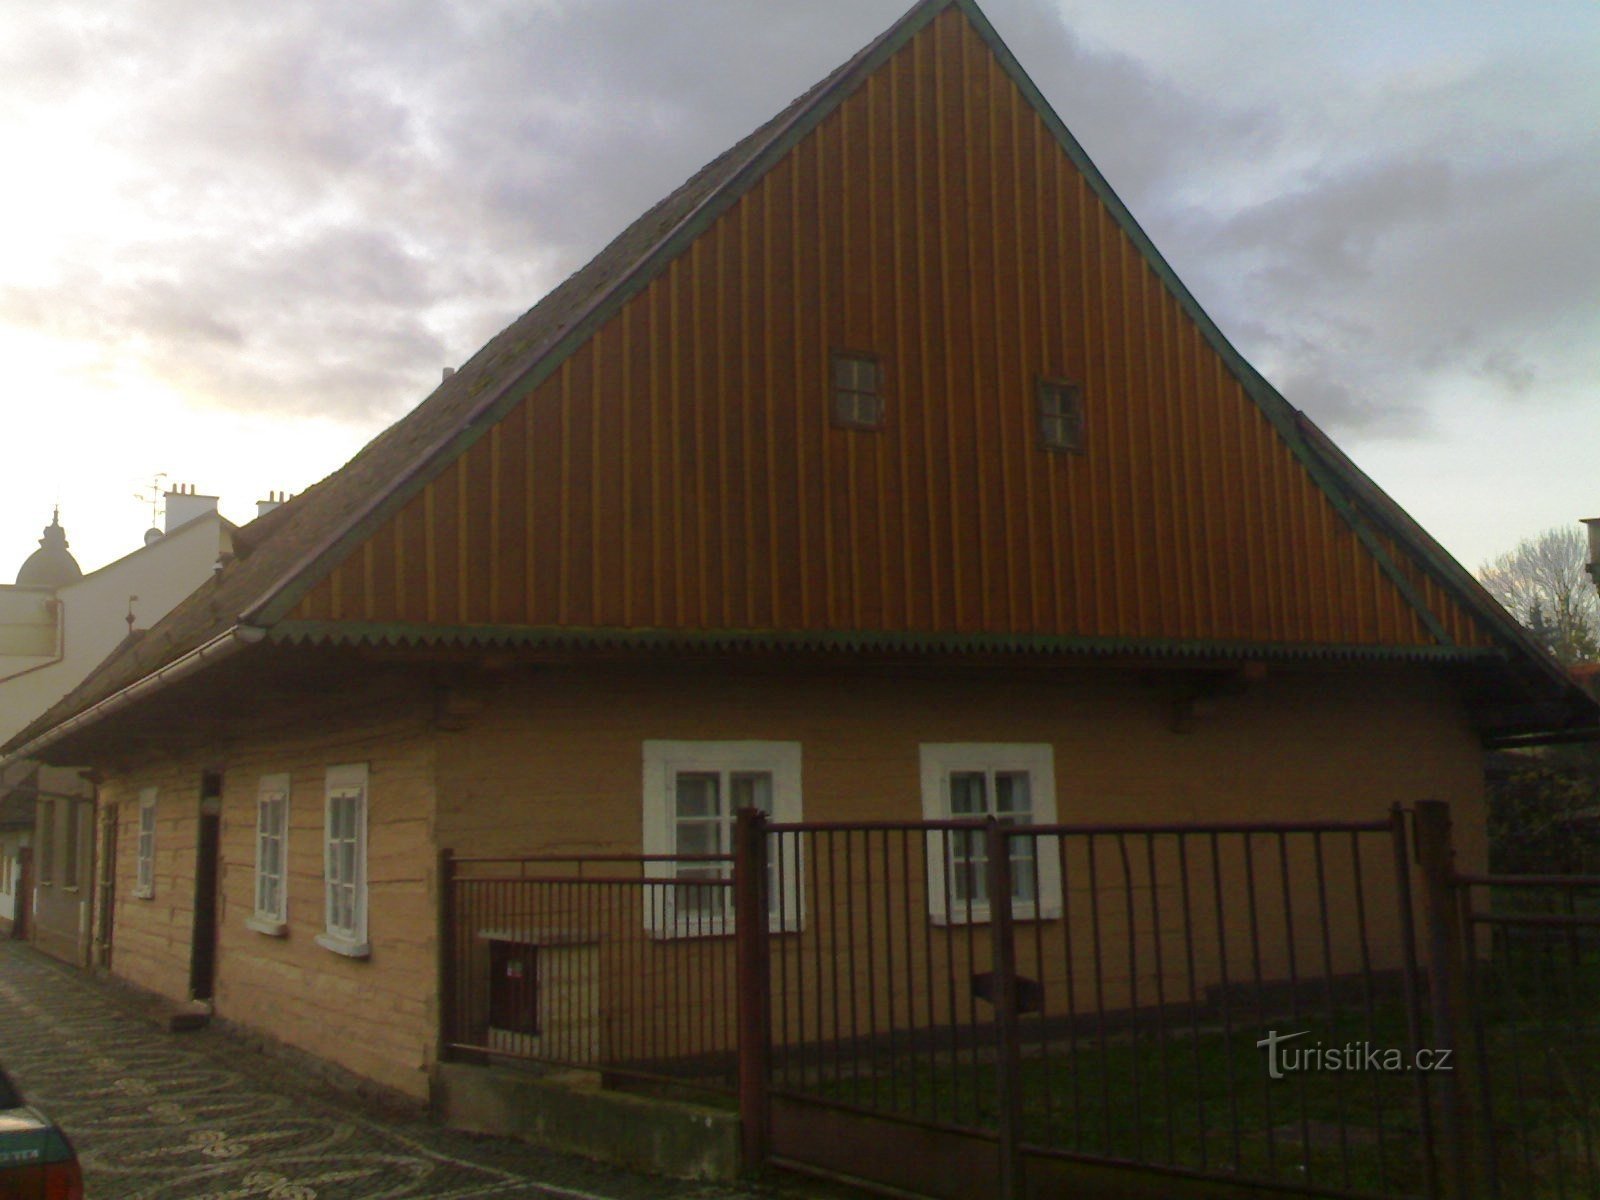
point(543, 994)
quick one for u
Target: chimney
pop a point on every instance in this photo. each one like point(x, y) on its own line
point(185, 504)
point(448, 371)
point(273, 500)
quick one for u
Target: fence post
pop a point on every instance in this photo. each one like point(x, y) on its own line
point(753, 956)
point(1008, 1051)
point(1447, 988)
point(447, 952)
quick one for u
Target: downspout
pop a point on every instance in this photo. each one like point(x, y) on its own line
point(225, 645)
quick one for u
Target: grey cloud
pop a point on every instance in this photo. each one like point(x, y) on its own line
point(340, 199)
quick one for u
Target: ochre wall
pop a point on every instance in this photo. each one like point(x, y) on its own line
point(553, 764)
point(552, 761)
point(376, 1017)
point(549, 759)
point(680, 471)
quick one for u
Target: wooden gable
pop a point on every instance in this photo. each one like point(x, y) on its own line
point(679, 470)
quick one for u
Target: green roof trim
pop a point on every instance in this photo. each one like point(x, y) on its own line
point(403, 634)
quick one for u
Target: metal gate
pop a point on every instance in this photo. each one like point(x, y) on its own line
point(970, 1008)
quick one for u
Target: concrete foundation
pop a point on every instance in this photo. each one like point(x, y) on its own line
point(572, 1113)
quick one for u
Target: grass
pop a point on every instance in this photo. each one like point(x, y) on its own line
point(1200, 1098)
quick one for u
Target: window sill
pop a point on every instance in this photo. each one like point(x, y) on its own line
point(146, 894)
point(689, 930)
point(269, 926)
point(1025, 914)
point(344, 946)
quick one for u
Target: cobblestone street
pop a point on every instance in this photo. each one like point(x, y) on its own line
point(200, 1116)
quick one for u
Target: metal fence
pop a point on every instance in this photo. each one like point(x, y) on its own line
point(1534, 1013)
point(610, 963)
point(976, 1008)
point(1044, 995)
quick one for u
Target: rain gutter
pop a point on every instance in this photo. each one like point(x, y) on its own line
point(225, 645)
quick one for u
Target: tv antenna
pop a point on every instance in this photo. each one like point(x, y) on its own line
point(152, 496)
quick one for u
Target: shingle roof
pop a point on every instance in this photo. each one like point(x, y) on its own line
point(291, 543)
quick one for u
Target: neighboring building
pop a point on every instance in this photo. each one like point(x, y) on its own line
point(16, 835)
point(56, 625)
point(882, 470)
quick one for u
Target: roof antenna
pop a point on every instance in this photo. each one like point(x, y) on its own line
point(154, 497)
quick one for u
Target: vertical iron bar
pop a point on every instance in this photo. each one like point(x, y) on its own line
point(1226, 985)
point(1008, 1056)
point(1323, 920)
point(973, 1039)
point(853, 981)
point(754, 967)
point(1446, 974)
point(815, 987)
point(1100, 998)
point(889, 891)
point(1194, 1001)
point(835, 893)
point(1072, 997)
point(1294, 996)
point(1134, 1047)
point(1250, 899)
point(1369, 1003)
point(1161, 994)
point(949, 943)
point(1046, 1067)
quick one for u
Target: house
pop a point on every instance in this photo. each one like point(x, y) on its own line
point(16, 834)
point(56, 625)
point(882, 470)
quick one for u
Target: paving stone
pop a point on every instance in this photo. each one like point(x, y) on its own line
point(158, 1115)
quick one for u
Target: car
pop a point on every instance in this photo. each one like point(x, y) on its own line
point(37, 1162)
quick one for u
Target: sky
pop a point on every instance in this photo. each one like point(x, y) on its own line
point(238, 239)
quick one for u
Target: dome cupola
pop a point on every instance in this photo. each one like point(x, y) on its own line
point(51, 565)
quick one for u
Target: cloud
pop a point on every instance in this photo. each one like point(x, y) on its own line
point(312, 208)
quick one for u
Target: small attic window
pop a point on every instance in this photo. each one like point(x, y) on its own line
point(1060, 415)
point(857, 390)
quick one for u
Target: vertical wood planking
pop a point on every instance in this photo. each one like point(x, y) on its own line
point(680, 469)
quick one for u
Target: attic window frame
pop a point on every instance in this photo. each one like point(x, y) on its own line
point(851, 405)
point(1060, 432)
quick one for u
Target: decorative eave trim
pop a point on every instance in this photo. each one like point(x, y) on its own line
point(406, 634)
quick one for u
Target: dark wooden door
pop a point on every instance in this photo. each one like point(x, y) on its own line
point(203, 955)
point(24, 909)
point(106, 886)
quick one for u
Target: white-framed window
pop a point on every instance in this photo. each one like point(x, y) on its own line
point(692, 794)
point(1012, 781)
point(271, 913)
point(345, 861)
point(144, 882)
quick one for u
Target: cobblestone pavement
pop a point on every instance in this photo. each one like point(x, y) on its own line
point(199, 1116)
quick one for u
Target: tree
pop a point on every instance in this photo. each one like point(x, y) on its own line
point(1544, 585)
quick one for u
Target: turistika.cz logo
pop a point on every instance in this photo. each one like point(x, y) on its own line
point(1283, 1059)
